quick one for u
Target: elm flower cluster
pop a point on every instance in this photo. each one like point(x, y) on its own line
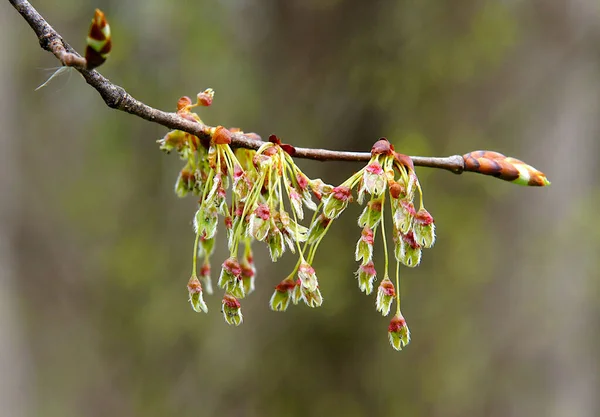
point(388, 176)
point(251, 192)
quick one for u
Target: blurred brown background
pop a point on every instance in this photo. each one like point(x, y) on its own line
point(95, 247)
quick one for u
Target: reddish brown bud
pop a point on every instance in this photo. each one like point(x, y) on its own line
point(395, 190)
point(183, 103)
point(342, 193)
point(222, 136)
point(205, 98)
point(505, 168)
point(381, 147)
point(404, 160)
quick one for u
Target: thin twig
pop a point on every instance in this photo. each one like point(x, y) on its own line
point(117, 98)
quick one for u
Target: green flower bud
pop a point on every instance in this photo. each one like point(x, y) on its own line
point(366, 275)
point(259, 223)
point(232, 311)
point(364, 247)
point(308, 277)
point(186, 181)
point(385, 296)
point(407, 250)
point(398, 332)
point(312, 298)
point(424, 228)
point(374, 179)
point(403, 215)
point(195, 294)
point(337, 201)
point(297, 293)
point(371, 215)
point(275, 242)
point(280, 300)
point(318, 228)
point(248, 274)
point(231, 278)
point(205, 221)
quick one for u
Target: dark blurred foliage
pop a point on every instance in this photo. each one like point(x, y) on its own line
point(96, 248)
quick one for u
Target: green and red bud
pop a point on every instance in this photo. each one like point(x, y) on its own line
point(337, 201)
point(364, 247)
point(232, 310)
point(424, 228)
point(280, 300)
point(407, 250)
point(312, 298)
point(366, 275)
point(385, 296)
point(195, 295)
point(231, 278)
point(371, 215)
point(307, 277)
point(260, 222)
point(403, 215)
point(318, 228)
point(205, 98)
point(398, 333)
point(374, 179)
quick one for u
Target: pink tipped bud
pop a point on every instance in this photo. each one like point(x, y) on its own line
point(424, 228)
point(318, 228)
point(407, 250)
point(205, 98)
point(371, 214)
point(231, 278)
point(398, 332)
point(280, 300)
point(364, 247)
point(195, 294)
point(232, 310)
point(374, 179)
point(385, 296)
point(337, 201)
point(366, 275)
point(307, 277)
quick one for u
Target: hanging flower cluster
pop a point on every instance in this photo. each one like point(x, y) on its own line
point(261, 195)
point(251, 191)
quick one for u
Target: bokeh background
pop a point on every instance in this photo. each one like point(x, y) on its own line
point(95, 247)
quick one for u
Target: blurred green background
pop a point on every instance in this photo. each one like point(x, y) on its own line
point(95, 247)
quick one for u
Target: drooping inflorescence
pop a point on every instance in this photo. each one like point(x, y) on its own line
point(262, 195)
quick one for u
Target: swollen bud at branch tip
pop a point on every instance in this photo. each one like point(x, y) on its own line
point(505, 168)
point(99, 41)
point(398, 332)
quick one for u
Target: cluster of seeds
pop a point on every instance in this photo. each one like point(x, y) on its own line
point(262, 195)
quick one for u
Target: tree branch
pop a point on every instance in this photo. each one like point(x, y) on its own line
point(117, 98)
